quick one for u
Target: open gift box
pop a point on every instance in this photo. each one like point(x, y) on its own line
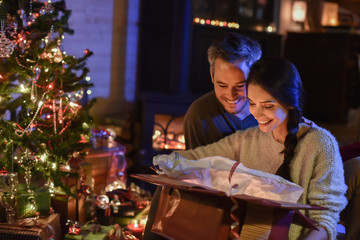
point(188, 210)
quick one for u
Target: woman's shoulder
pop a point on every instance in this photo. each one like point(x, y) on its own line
point(318, 135)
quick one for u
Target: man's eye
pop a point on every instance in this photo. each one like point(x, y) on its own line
point(222, 86)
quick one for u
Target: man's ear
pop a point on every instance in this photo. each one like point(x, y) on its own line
point(212, 75)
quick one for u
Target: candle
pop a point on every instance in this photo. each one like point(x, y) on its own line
point(136, 229)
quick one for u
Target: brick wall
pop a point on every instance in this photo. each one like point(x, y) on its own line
point(101, 26)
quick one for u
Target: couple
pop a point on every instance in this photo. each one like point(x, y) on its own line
point(283, 143)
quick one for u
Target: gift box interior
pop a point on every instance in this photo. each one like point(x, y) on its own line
point(187, 209)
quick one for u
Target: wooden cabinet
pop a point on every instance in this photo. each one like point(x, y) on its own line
point(328, 65)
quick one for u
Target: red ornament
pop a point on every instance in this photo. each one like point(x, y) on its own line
point(86, 51)
point(3, 171)
point(74, 229)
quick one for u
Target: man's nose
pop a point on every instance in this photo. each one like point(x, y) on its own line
point(233, 92)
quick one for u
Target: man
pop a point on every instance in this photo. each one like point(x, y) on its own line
point(224, 110)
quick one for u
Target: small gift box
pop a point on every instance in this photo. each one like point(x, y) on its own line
point(100, 138)
point(90, 232)
point(24, 206)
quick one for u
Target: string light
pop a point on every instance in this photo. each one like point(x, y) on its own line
point(216, 23)
point(20, 132)
point(22, 88)
point(43, 158)
point(53, 166)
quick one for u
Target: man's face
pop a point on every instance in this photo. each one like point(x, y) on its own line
point(229, 85)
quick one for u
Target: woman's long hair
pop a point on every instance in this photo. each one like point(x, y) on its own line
point(280, 78)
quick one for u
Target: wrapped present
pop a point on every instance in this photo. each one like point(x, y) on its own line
point(24, 206)
point(66, 206)
point(100, 138)
point(28, 229)
point(106, 165)
point(119, 206)
point(91, 232)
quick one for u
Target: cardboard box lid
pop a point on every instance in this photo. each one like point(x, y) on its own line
point(298, 218)
point(171, 182)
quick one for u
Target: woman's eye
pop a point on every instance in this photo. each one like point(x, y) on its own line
point(240, 86)
point(269, 107)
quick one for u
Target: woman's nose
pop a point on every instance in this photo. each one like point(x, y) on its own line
point(257, 111)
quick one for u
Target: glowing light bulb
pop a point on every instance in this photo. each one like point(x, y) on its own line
point(88, 92)
point(22, 87)
point(85, 125)
point(87, 78)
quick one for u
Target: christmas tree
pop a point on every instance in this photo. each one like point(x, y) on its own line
point(44, 120)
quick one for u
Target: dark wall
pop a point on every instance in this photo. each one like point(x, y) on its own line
point(328, 66)
point(172, 50)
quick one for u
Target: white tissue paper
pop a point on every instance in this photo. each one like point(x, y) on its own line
point(213, 172)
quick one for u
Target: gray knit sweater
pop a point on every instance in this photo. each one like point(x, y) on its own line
point(316, 166)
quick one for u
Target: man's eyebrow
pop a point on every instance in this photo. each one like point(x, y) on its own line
point(219, 81)
point(242, 82)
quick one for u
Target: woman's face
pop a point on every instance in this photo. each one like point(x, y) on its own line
point(269, 113)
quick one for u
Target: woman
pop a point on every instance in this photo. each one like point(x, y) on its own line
point(283, 144)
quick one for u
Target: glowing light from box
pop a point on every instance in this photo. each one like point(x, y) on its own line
point(299, 9)
point(330, 14)
point(216, 23)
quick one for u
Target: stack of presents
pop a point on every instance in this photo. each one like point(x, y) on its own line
point(101, 203)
